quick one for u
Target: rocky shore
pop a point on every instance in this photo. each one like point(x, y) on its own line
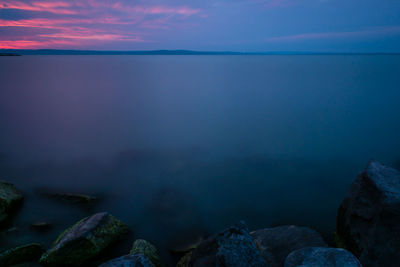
point(367, 234)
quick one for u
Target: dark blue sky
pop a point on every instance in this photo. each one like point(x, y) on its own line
point(246, 25)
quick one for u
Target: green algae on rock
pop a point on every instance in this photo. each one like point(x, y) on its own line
point(84, 240)
point(10, 197)
point(144, 247)
point(21, 254)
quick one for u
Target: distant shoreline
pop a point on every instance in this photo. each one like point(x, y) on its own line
point(9, 55)
point(16, 52)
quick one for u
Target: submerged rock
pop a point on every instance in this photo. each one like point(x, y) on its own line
point(233, 247)
point(21, 254)
point(73, 198)
point(41, 226)
point(368, 222)
point(85, 240)
point(10, 198)
point(278, 242)
point(321, 257)
point(144, 247)
point(129, 261)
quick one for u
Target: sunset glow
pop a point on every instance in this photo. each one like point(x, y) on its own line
point(250, 25)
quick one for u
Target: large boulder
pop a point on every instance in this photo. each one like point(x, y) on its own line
point(10, 198)
point(21, 254)
point(129, 261)
point(84, 240)
point(368, 222)
point(233, 247)
point(321, 257)
point(278, 242)
point(143, 247)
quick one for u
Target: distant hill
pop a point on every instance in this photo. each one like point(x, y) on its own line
point(16, 52)
point(9, 55)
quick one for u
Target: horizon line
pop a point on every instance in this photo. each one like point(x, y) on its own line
point(50, 51)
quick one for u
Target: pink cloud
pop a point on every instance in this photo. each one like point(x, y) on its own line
point(33, 44)
point(57, 7)
point(86, 21)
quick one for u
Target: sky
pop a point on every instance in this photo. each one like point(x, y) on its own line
point(207, 25)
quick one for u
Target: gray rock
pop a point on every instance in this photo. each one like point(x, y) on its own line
point(83, 241)
point(278, 242)
point(143, 247)
point(10, 198)
point(233, 247)
point(368, 222)
point(321, 257)
point(129, 261)
point(21, 254)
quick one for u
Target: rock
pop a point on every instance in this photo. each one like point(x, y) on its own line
point(10, 198)
point(321, 257)
point(21, 254)
point(67, 197)
point(85, 240)
point(41, 226)
point(184, 261)
point(129, 261)
point(368, 222)
point(233, 247)
point(278, 242)
point(144, 247)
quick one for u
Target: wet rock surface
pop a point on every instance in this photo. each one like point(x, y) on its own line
point(232, 247)
point(129, 261)
point(85, 240)
point(278, 242)
point(321, 257)
point(21, 254)
point(368, 222)
point(10, 198)
point(143, 247)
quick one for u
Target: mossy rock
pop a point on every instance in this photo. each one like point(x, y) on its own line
point(21, 254)
point(10, 198)
point(184, 261)
point(84, 240)
point(144, 247)
point(129, 261)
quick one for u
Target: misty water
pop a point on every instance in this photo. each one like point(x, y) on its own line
point(180, 147)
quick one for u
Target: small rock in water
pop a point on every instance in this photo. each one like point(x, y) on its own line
point(67, 197)
point(129, 261)
point(321, 257)
point(41, 226)
point(278, 242)
point(144, 247)
point(85, 240)
point(368, 222)
point(233, 247)
point(21, 254)
point(10, 198)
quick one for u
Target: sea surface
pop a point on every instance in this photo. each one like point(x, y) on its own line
point(180, 147)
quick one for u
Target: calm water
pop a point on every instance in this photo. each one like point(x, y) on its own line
point(182, 146)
